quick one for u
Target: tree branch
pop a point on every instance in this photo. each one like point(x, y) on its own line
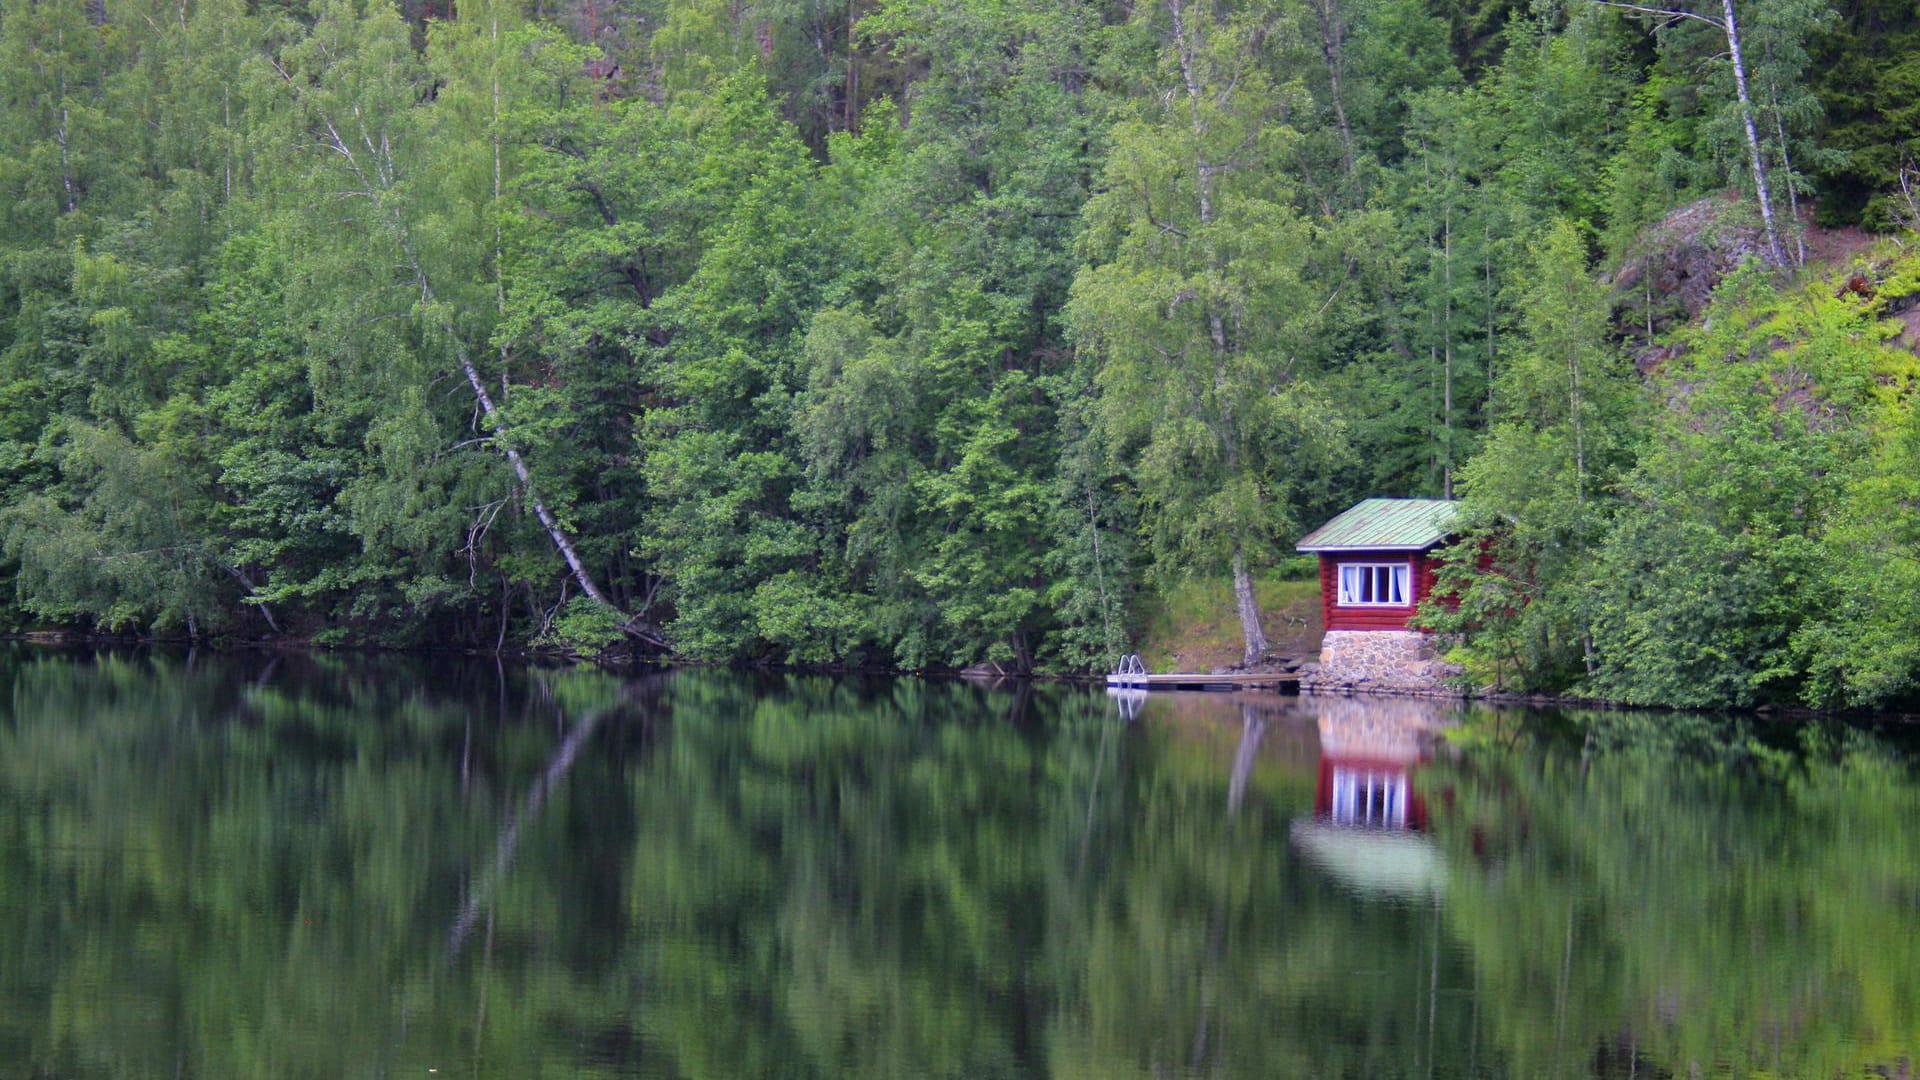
point(1665, 13)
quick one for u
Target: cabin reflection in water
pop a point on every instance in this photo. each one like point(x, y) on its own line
point(1366, 794)
point(1368, 820)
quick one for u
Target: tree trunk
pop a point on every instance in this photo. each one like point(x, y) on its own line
point(547, 521)
point(1493, 307)
point(1576, 411)
point(1793, 197)
point(851, 118)
point(1732, 27)
point(1333, 34)
point(1446, 340)
point(1249, 608)
point(375, 186)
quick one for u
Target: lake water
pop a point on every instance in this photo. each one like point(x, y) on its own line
point(317, 867)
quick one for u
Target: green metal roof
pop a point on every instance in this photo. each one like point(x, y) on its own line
point(1385, 525)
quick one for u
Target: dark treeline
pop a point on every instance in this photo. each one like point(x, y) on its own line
point(926, 332)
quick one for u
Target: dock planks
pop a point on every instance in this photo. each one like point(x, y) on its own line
point(1204, 681)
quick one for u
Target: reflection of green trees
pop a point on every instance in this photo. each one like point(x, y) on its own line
point(258, 868)
point(907, 887)
point(1707, 894)
point(235, 880)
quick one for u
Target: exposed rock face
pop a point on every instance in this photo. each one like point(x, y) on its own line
point(1380, 661)
point(1677, 262)
point(1668, 276)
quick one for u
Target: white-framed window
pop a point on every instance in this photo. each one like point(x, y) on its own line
point(1370, 798)
point(1376, 584)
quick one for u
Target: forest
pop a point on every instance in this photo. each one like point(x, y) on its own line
point(921, 333)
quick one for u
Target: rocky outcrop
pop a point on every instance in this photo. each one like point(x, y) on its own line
point(1668, 276)
point(1676, 263)
point(1380, 661)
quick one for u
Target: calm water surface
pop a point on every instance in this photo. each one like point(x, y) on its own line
point(237, 867)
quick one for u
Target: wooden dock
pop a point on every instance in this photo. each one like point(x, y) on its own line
point(1189, 680)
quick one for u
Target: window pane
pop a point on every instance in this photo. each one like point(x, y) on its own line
point(1374, 584)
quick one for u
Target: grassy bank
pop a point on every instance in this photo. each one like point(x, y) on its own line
point(1191, 625)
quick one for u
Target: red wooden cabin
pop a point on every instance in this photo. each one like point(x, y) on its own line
point(1376, 561)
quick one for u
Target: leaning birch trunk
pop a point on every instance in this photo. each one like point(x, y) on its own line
point(1249, 608)
point(376, 195)
point(561, 541)
point(1729, 24)
point(630, 624)
point(1732, 27)
point(547, 520)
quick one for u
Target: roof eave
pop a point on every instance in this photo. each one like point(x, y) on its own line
point(1335, 549)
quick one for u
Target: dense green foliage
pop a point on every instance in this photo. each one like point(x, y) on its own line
point(1743, 536)
point(930, 332)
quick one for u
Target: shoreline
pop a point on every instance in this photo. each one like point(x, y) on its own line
point(630, 663)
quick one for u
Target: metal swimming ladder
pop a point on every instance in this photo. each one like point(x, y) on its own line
point(1129, 672)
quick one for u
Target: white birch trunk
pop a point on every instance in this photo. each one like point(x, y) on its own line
point(1732, 28)
point(1248, 607)
point(374, 186)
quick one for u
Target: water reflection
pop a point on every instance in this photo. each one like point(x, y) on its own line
point(221, 867)
point(1368, 814)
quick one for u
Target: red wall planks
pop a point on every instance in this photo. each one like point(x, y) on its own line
point(1371, 618)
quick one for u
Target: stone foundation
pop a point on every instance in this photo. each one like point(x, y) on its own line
point(1380, 661)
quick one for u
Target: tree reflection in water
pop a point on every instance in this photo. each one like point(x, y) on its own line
point(229, 868)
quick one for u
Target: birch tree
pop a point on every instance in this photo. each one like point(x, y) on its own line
point(1763, 106)
point(354, 84)
point(1198, 307)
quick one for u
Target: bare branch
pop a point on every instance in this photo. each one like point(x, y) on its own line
point(1664, 13)
point(1146, 201)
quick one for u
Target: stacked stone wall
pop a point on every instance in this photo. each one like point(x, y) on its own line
point(1380, 661)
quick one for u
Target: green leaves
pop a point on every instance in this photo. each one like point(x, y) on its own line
point(916, 331)
point(131, 548)
point(1197, 306)
point(1731, 564)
